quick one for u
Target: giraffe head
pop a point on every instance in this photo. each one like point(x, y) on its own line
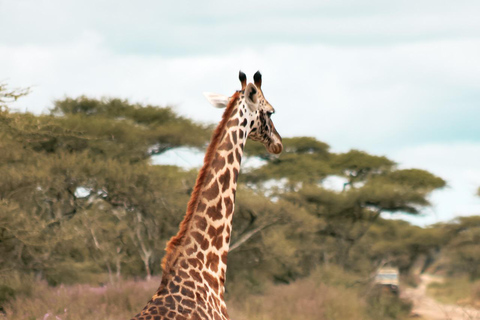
point(255, 110)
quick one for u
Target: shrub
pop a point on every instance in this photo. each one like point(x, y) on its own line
point(384, 304)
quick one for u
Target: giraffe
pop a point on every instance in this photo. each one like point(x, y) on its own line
point(192, 285)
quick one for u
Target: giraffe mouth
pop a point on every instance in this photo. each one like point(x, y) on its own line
point(274, 144)
point(275, 148)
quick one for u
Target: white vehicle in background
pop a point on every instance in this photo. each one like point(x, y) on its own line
point(388, 279)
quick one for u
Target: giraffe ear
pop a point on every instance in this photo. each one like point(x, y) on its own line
point(217, 100)
point(251, 97)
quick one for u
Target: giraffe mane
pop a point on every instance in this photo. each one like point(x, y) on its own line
point(176, 241)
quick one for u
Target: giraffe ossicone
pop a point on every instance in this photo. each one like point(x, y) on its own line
point(194, 267)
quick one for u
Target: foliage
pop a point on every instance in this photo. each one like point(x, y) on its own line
point(327, 293)
point(372, 186)
point(10, 95)
point(80, 202)
point(463, 247)
point(305, 162)
point(133, 130)
point(384, 305)
point(311, 298)
point(456, 290)
point(78, 196)
point(398, 243)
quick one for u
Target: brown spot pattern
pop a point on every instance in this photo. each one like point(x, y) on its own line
point(217, 242)
point(230, 158)
point(238, 155)
point(212, 261)
point(198, 237)
point(212, 192)
point(235, 174)
point(195, 263)
point(173, 287)
point(187, 293)
point(183, 274)
point(224, 257)
point(191, 250)
point(200, 256)
point(232, 123)
point(214, 212)
point(226, 145)
point(224, 179)
point(212, 282)
point(228, 205)
point(218, 163)
point(196, 276)
point(190, 284)
point(201, 223)
point(201, 207)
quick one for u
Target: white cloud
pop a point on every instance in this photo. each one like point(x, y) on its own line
point(370, 98)
point(401, 76)
point(186, 27)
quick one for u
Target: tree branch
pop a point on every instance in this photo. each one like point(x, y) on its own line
point(250, 234)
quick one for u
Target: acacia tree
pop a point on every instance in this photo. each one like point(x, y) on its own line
point(271, 240)
point(461, 251)
point(463, 247)
point(82, 178)
point(9, 95)
point(123, 130)
point(79, 195)
point(373, 185)
point(399, 243)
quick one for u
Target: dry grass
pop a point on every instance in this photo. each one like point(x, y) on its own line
point(328, 294)
point(77, 302)
point(300, 300)
point(325, 295)
point(456, 291)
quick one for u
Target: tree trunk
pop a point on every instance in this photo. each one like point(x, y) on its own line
point(146, 262)
point(110, 275)
point(118, 265)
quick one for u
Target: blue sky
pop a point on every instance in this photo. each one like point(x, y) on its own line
point(400, 79)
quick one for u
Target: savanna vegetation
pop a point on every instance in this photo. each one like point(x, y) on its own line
point(85, 216)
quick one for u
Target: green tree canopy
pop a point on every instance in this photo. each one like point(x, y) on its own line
point(79, 197)
point(372, 186)
point(304, 160)
point(463, 247)
point(131, 130)
point(78, 190)
point(9, 95)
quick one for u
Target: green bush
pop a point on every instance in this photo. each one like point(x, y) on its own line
point(384, 304)
point(6, 293)
point(70, 273)
point(327, 294)
point(456, 290)
point(476, 291)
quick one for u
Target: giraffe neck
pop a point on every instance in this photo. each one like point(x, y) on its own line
point(199, 251)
